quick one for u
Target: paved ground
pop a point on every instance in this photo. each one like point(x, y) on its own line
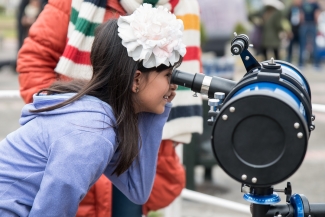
point(308, 180)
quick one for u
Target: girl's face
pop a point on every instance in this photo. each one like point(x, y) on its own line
point(153, 91)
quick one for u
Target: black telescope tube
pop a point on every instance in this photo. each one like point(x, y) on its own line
point(201, 83)
point(317, 209)
point(221, 85)
point(182, 78)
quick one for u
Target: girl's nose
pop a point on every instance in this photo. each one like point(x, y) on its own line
point(173, 86)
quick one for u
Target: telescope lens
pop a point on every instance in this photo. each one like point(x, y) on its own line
point(256, 150)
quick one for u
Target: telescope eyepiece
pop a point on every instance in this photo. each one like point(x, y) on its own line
point(201, 83)
point(182, 78)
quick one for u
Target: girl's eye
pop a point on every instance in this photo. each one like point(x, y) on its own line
point(169, 77)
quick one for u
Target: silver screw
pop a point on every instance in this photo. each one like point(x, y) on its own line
point(235, 50)
point(254, 180)
point(243, 177)
point(245, 189)
point(219, 95)
point(213, 102)
point(296, 125)
point(272, 60)
point(251, 45)
point(300, 135)
point(224, 117)
point(247, 58)
point(235, 33)
point(232, 109)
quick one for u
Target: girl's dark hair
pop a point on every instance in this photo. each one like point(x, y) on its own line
point(111, 82)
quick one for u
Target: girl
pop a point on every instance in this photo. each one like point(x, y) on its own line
point(74, 132)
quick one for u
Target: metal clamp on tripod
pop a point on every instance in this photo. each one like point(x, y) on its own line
point(261, 128)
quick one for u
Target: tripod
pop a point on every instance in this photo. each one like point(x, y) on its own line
point(263, 200)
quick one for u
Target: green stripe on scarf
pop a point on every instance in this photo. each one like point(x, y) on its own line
point(82, 25)
point(153, 2)
point(74, 16)
point(86, 27)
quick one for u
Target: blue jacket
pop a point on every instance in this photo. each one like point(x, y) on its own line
point(50, 162)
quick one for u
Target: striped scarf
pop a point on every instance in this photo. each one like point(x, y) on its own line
point(86, 15)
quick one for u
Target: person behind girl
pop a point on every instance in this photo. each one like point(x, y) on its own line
point(74, 132)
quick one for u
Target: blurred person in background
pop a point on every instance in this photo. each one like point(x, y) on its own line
point(58, 48)
point(271, 27)
point(308, 31)
point(31, 12)
point(256, 34)
point(22, 31)
point(295, 17)
point(27, 12)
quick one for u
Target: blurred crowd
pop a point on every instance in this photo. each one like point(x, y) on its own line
point(289, 30)
point(294, 28)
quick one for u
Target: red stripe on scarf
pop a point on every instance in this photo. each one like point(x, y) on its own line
point(173, 3)
point(77, 56)
point(192, 53)
point(83, 57)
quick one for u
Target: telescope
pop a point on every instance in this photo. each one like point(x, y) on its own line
point(260, 129)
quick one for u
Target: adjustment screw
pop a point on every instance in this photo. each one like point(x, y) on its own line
point(232, 109)
point(312, 127)
point(313, 117)
point(224, 117)
point(219, 95)
point(300, 135)
point(247, 58)
point(235, 50)
point(296, 125)
point(254, 180)
point(243, 177)
point(214, 102)
point(272, 60)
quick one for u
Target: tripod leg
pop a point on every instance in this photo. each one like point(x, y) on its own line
point(259, 210)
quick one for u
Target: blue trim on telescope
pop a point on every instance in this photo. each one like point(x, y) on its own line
point(297, 204)
point(263, 200)
point(296, 75)
point(286, 95)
